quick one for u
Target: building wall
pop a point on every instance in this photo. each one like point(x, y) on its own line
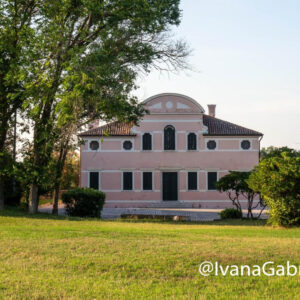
point(111, 160)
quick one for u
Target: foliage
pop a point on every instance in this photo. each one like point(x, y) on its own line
point(83, 202)
point(15, 57)
point(235, 185)
point(13, 191)
point(277, 179)
point(231, 213)
point(276, 152)
point(87, 55)
point(70, 175)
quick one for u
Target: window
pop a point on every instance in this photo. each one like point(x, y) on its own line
point(127, 145)
point(147, 180)
point(94, 145)
point(147, 141)
point(169, 138)
point(192, 180)
point(211, 180)
point(211, 145)
point(245, 145)
point(94, 180)
point(192, 141)
point(127, 181)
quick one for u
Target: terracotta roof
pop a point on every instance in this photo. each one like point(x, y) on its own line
point(110, 129)
point(220, 127)
point(215, 127)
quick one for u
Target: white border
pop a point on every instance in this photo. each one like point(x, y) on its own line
point(99, 178)
point(175, 95)
point(142, 180)
point(122, 187)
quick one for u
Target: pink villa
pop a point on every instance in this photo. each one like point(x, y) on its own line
point(173, 158)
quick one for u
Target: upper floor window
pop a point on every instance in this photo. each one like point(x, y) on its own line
point(127, 145)
point(245, 145)
point(147, 141)
point(169, 138)
point(94, 145)
point(211, 145)
point(192, 141)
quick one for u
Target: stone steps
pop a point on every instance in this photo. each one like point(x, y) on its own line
point(172, 204)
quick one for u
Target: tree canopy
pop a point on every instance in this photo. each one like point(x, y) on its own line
point(66, 62)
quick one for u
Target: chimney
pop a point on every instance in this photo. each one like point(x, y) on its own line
point(211, 109)
point(94, 124)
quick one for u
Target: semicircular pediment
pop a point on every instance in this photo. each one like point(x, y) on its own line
point(172, 103)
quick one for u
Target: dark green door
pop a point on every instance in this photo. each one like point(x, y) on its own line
point(170, 192)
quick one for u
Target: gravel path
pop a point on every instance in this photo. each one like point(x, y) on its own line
point(192, 214)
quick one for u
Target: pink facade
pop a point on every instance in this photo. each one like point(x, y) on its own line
point(188, 152)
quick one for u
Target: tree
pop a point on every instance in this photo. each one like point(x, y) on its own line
point(276, 152)
point(90, 52)
point(15, 55)
point(235, 184)
point(277, 179)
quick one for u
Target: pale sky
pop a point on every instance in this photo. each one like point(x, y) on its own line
point(247, 57)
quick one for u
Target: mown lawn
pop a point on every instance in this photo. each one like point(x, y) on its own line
point(43, 257)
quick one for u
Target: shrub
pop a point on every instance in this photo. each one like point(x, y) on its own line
point(231, 213)
point(12, 192)
point(84, 202)
point(277, 179)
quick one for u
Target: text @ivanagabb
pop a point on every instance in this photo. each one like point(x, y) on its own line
point(268, 268)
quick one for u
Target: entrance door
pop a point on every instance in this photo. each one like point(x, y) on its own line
point(170, 192)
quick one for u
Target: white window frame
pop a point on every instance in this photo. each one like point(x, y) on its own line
point(122, 185)
point(187, 141)
point(207, 179)
point(240, 144)
point(152, 141)
point(142, 180)
point(99, 175)
point(92, 140)
point(187, 180)
point(217, 145)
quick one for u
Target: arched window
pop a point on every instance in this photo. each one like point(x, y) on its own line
point(192, 141)
point(147, 141)
point(169, 137)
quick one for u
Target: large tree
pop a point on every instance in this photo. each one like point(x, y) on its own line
point(89, 53)
point(15, 56)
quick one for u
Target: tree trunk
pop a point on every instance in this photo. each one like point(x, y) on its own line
point(59, 171)
point(1, 194)
point(55, 199)
point(34, 199)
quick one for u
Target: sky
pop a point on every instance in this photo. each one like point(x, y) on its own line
point(246, 60)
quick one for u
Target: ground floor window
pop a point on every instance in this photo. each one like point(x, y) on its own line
point(127, 181)
point(192, 180)
point(147, 180)
point(94, 180)
point(212, 178)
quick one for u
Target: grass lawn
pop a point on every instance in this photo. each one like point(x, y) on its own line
point(44, 257)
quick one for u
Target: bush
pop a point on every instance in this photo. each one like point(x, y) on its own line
point(12, 192)
point(231, 213)
point(277, 179)
point(84, 202)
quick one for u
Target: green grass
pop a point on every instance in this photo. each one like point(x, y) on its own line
point(45, 257)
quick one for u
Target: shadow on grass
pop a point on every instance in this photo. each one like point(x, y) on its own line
point(229, 222)
point(17, 212)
